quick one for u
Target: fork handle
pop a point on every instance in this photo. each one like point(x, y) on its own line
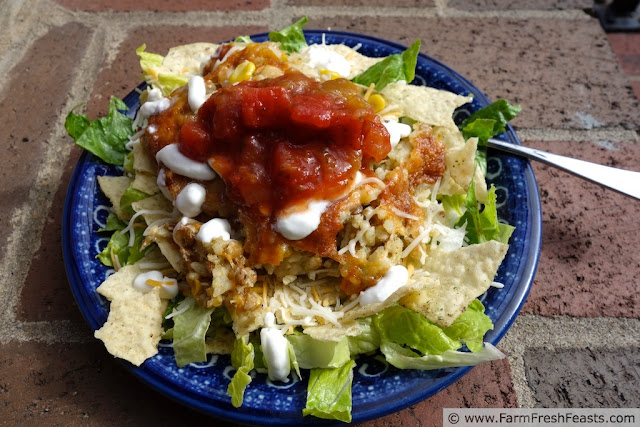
point(620, 180)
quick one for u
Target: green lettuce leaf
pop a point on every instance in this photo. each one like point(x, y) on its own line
point(329, 393)
point(129, 196)
point(113, 223)
point(312, 353)
point(293, 359)
point(128, 163)
point(367, 341)
point(242, 360)
point(401, 66)
point(76, 124)
point(483, 225)
point(189, 329)
point(470, 326)
point(404, 358)
point(486, 123)
point(119, 244)
point(454, 207)
point(496, 116)
point(405, 327)
point(105, 137)
point(167, 324)
point(243, 39)
point(291, 38)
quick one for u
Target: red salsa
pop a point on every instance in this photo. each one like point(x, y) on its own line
point(281, 141)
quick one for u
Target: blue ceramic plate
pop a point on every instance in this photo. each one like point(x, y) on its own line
point(378, 389)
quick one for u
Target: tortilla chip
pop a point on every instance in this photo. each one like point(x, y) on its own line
point(330, 333)
point(153, 203)
point(462, 276)
point(142, 162)
point(369, 309)
point(425, 104)
point(222, 342)
point(114, 187)
point(134, 326)
point(187, 59)
point(168, 247)
point(146, 183)
point(461, 166)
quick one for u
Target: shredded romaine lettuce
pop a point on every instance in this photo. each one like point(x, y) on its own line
point(189, 329)
point(403, 358)
point(471, 326)
point(291, 38)
point(242, 360)
point(118, 245)
point(486, 123)
point(129, 196)
point(312, 353)
point(483, 225)
point(408, 328)
point(401, 66)
point(329, 393)
point(151, 64)
point(105, 137)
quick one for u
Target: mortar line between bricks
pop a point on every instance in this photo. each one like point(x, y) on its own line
point(28, 219)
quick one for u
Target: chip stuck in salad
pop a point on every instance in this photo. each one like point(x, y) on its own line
point(296, 206)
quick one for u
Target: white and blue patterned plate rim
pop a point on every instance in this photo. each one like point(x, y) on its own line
point(385, 389)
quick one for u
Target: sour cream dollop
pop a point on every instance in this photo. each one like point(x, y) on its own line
point(155, 104)
point(172, 158)
point(213, 229)
point(395, 278)
point(397, 131)
point(275, 349)
point(145, 282)
point(298, 225)
point(197, 93)
point(322, 58)
point(190, 199)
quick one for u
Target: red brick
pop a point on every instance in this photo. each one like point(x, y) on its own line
point(627, 48)
point(162, 5)
point(482, 5)
point(636, 88)
point(559, 70)
point(31, 106)
point(79, 384)
point(625, 43)
point(488, 385)
point(123, 74)
point(46, 294)
point(589, 263)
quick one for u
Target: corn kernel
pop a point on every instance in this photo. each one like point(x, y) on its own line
point(332, 75)
point(243, 72)
point(377, 102)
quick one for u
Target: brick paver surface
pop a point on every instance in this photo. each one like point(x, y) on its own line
point(584, 378)
point(575, 84)
point(589, 262)
point(163, 5)
point(483, 5)
point(30, 88)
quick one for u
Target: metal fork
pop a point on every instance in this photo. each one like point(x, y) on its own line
point(623, 181)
